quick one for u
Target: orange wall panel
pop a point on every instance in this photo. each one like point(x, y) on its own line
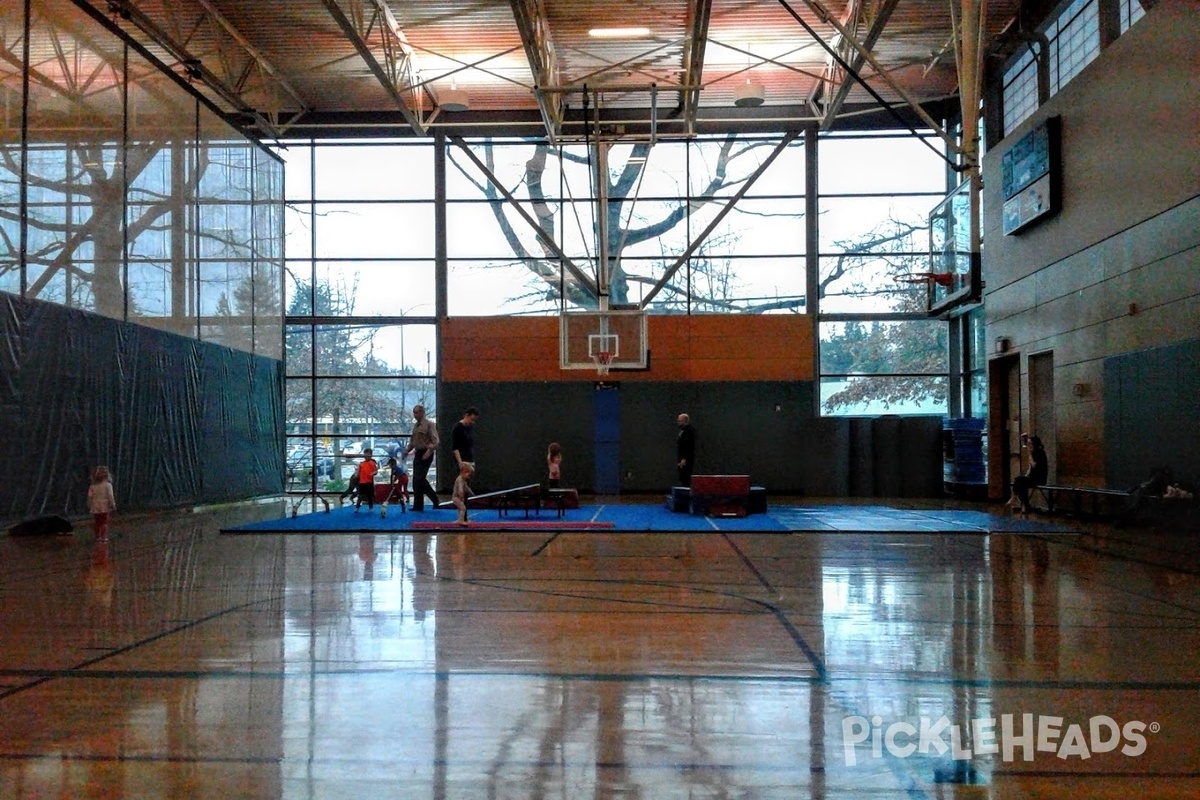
point(682, 348)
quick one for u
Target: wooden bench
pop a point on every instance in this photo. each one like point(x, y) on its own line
point(1100, 499)
point(721, 495)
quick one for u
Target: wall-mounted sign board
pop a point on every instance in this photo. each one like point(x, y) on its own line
point(1030, 177)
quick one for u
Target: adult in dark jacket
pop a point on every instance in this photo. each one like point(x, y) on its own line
point(685, 450)
point(462, 439)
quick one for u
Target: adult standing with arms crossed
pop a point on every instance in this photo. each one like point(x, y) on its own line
point(685, 449)
point(462, 439)
point(423, 445)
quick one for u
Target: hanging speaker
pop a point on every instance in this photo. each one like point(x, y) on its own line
point(454, 99)
point(749, 95)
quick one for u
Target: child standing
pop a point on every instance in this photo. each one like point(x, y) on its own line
point(101, 502)
point(398, 485)
point(366, 481)
point(462, 491)
point(554, 463)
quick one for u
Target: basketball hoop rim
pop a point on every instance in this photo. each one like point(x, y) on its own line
point(603, 359)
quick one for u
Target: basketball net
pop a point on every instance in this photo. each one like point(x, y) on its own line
point(603, 361)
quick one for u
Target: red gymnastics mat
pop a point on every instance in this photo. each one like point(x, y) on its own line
point(512, 525)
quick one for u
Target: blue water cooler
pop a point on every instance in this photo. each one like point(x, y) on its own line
point(964, 465)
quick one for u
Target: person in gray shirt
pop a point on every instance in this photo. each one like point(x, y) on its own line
point(423, 445)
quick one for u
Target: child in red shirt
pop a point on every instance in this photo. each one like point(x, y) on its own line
point(366, 481)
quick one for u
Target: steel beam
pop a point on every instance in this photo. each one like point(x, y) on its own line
point(699, 13)
point(834, 106)
point(396, 72)
point(824, 16)
point(193, 65)
point(531, 21)
point(256, 57)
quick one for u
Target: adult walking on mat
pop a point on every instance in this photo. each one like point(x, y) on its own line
point(462, 439)
point(423, 445)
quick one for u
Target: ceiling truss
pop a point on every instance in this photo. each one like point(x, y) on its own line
point(229, 67)
point(371, 27)
point(307, 63)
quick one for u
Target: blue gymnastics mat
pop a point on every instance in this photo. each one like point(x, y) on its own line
point(654, 518)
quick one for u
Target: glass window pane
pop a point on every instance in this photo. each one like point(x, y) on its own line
point(298, 399)
point(881, 164)
point(268, 255)
point(298, 234)
point(375, 350)
point(873, 283)
point(908, 347)
point(1131, 12)
point(753, 227)
point(497, 230)
point(873, 396)
point(720, 166)
point(369, 411)
point(374, 172)
point(729, 285)
point(641, 171)
point(374, 230)
point(298, 350)
point(1076, 42)
point(298, 284)
point(297, 159)
point(524, 163)
point(1020, 92)
point(161, 153)
point(748, 285)
point(876, 224)
point(375, 288)
point(309, 463)
point(500, 287)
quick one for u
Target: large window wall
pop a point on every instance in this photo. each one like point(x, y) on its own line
point(661, 200)
point(361, 343)
point(879, 351)
point(123, 194)
point(365, 262)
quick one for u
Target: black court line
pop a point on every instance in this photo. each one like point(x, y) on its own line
point(545, 544)
point(83, 665)
point(749, 564)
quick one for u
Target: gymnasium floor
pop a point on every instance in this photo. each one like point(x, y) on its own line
point(179, 662)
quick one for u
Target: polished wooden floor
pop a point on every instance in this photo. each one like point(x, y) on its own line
point(177, 662)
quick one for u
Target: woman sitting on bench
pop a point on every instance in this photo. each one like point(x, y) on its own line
point(1039, 470)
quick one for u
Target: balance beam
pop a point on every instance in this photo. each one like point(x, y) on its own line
point(525, 497)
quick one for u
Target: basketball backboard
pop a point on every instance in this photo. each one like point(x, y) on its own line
point(589, 338)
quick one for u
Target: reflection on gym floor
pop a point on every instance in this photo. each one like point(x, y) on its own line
point(175, 662)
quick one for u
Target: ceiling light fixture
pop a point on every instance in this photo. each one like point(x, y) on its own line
point(454, 99)
point(618, 33)
point(750, 94)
